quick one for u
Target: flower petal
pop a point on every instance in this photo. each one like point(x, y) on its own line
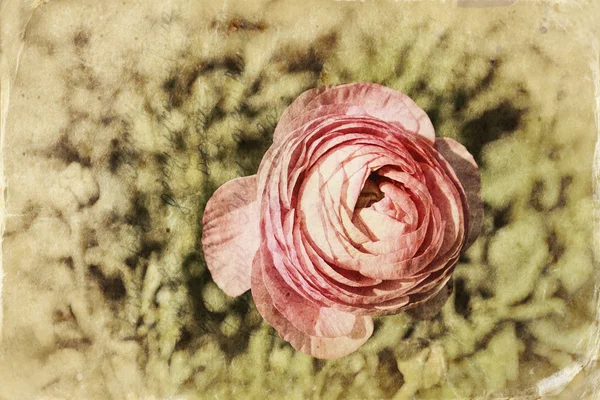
point(319, 347)
point(431, 307)
point(467, 172)
point(296, 108)
point(376, 100)
point(230, 234)
point(306, 315)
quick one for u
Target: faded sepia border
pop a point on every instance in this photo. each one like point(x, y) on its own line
point(578, 22)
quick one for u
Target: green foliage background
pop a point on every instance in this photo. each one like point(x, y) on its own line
point(134, 123)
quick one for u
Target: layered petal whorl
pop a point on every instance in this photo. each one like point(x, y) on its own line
point(359, 214)
point(357, 211)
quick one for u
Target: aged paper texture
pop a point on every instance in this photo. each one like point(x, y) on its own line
point(120, 119)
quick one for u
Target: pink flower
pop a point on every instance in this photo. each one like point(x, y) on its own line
point(356, 211)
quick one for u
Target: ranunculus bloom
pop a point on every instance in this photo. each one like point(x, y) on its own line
point(356, 211)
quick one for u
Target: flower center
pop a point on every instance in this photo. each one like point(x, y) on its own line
point(370, 193)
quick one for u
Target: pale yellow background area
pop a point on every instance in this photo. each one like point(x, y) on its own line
point(105, 292)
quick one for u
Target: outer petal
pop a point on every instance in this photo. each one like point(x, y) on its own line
point(296, 108)
point(319, 347)
point(430, 308)
point(230, 234)
point(376, 100)
point(466, 170)
point(304, 314)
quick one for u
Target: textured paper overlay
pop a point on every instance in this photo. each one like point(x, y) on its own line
point(119, 120)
